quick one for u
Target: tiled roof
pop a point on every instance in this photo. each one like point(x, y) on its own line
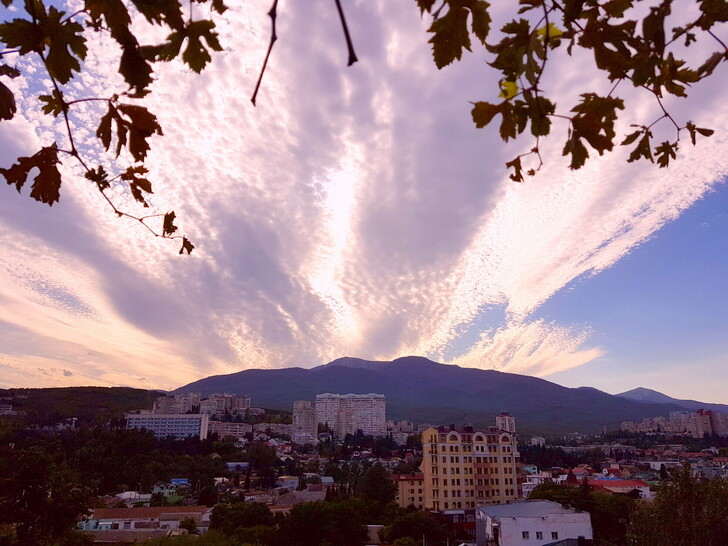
point(145, 512)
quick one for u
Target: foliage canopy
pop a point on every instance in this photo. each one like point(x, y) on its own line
point(631, 43)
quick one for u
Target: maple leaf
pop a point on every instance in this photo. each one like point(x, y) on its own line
point(7, 102)
point(137, 183)
point(168, 227)
point(186, 246)
point(450, 36)
point(62, 36)
point(46, 184)
point(195, 54)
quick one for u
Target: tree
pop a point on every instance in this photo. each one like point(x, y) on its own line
point(317, 523)
point(377, 485)
point(685, 511)
point(228, 518)
point(630, 46)
point(414, 526)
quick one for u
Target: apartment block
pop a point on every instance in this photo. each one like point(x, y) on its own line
point(347, 413)
point(178, 403)
point(305, 427)
point(466, 468)
point(235, 430)
point(410, 490)
point(179, 425)
point(220, 404)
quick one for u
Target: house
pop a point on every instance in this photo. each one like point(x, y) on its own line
point(529, 523)
point(634, 488)
point(159, 518)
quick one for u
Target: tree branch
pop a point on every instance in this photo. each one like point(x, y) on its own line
point(349, 44)
point(273, 37)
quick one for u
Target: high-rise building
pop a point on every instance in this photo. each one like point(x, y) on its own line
point(177, 403)
point(305, 428)
point(466, 468)
point(219, 404)
point(348, 413)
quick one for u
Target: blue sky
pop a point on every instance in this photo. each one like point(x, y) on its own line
point(661, 310)
point(358, 212)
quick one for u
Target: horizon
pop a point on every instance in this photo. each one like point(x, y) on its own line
point(359, 211)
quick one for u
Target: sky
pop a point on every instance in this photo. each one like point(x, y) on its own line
point(358, 212)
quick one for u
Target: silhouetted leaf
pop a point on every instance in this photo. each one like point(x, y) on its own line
point(480, 19)
point(517, 174)
point(186, 246)
point(642, 149)
point(137, 183)
point(67, 45)
point(98, 176)
point(9, 71)
point(46, 184)
point(7, 103)
point(168, 227)
point(450, 36)
point(483, 113)
point(54, 103)
point(195, 54)
point(665, 152)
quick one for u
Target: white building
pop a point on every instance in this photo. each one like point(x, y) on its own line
point(505, 421)
point(179, 425)
point(529, 523)
point(347, 413)
point(305, 427)
point(236, 430)
point(219, 404)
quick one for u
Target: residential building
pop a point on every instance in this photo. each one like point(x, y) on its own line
point(538, 441)
point(234, 430)
point(466, 468)
point(220, 404)
point(305, 427)
point(178, 403)
point(505, 421)
point(179, 425)
point(274, 428)
point(410, 490)
point(348, 413)
point(158, 518)
point(525, 523)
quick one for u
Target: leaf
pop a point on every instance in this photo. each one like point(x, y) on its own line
point(483, 113)
point(138, 184)
point(517, 174)
point(46, 184)
point(425, 5)
point(480, 20)
point(63, 36)
point(554, 32)
point(7, 103)
point(98, 176)
point(579, 154)
point(104, 130)
point(22, 34)
point(142, 124)
point(707, 68)
point(642, 149)
point(450, 36)
point(508, 89)
point(665, 152)
point(630, 138)
point(168, 227)
point(54, 103)
point(704, 132)
point(539, 110)
point(9, 71)
point(195, 54)
point(186, 245)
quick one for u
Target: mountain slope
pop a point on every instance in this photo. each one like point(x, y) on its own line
point(641, 394)
point(420, 390)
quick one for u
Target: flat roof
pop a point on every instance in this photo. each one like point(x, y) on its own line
point(532, 508)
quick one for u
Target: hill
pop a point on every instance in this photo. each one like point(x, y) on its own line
point(420, 390)
point(91, 405)
point(641, 394)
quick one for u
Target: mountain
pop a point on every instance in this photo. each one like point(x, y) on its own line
point(423, 391)
point(641, 394)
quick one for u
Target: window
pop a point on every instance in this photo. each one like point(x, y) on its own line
point(524, 535)
point(539, 535)
point(554, 535)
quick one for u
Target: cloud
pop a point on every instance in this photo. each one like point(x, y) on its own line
point(354, 211)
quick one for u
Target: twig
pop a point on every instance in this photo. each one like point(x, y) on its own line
point(349, 44)
point(273, 37)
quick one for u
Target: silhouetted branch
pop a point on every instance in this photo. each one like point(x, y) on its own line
point(349, 44)
point(273, 38)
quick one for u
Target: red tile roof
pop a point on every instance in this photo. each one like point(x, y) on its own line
point(145, 512)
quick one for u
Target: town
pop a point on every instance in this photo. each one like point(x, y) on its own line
point(217, 470)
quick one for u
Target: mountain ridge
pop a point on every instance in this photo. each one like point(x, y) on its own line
point(650, 396)
point(420, 390)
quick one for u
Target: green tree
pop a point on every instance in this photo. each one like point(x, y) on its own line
point(318, 523)
point(414, 526)
point(686, 511)
point(228, 518)
point(377, 485)
point(631, 45)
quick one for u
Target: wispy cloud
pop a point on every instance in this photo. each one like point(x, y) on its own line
point(355, 211)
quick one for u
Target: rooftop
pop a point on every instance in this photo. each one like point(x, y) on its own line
point(525, 509)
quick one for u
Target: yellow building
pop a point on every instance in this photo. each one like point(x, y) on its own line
point(467, 468)
point(410, 490)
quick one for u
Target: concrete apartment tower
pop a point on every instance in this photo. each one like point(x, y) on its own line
point(347, 413)
point(305, 427)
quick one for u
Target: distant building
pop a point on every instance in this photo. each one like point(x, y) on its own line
point(234, 430)
point(178, 403)
point(505, 421)
point(348, 413)
point(305, 427)
point(465, 468)
point(538, 441)
point(527, 523)
point(220, 404)
point(120, 525)
point(183, 425)
point(410, 490)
